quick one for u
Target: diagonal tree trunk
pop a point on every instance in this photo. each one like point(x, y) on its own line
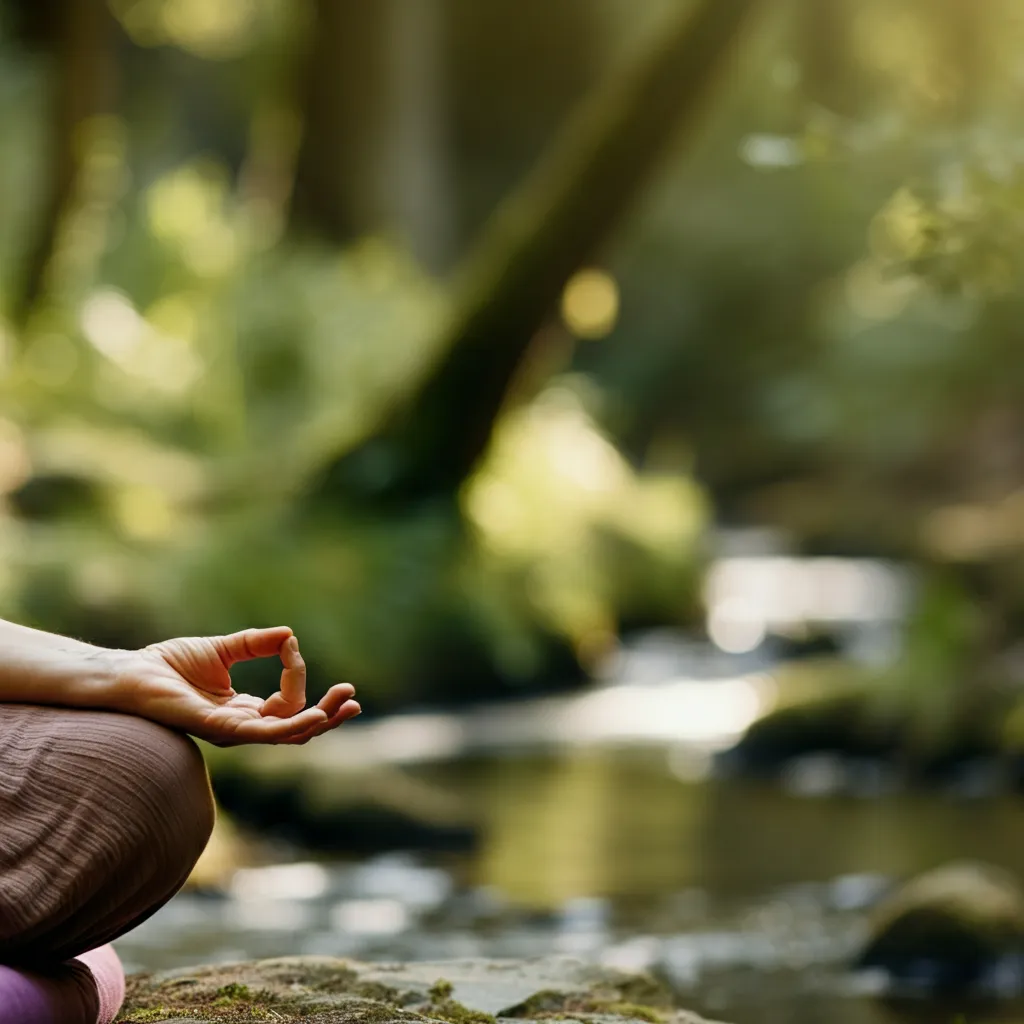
point(537, 239)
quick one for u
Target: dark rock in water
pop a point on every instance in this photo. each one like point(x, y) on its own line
point(278, 808)
point(836, 723)
point(322, 990)
point(957, 930)
point(850, 723)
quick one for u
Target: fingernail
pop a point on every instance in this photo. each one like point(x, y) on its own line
point(293, 644)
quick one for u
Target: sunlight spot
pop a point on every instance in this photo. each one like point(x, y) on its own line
point(144, 513)
point(370, 917)
point(590, 304)
point(116, 329)
point(271, 915)
point(421, 736)
point(784, 592)
point(735, 626)
point(709, 713)
point(112, 325)
point(302, 881)
point(209, 28)
point(771, 151)
point(176, 315)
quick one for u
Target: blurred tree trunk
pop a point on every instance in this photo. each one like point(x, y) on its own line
point(418, 178)
point(964, 28)
point(79, 38)
point(515, 71)
point(418, 114)
point(825, 54)
point(543, 233)
point(344, 104)
point(372, 154)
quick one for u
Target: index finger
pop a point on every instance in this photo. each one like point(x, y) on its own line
point(251, 643)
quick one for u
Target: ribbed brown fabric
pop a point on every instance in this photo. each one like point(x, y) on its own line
point(102, 817)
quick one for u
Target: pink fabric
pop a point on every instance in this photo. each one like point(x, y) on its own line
point(86, 990)
point(107, 972)
point(25, 998)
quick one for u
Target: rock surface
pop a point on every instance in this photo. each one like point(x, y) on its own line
point(959, 928)
point(323, 990)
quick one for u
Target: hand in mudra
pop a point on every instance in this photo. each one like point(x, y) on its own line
point(186, 684)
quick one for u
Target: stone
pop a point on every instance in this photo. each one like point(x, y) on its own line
point(957, 929)
point(323, 990)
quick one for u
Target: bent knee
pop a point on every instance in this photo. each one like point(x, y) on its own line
point(167, 784)
point(102, 817)
point(154, 782)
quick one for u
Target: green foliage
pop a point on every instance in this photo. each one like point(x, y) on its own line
point(819, 315)
point(160, 486)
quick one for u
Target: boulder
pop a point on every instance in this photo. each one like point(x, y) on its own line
point(323, 990)
point(956, 930)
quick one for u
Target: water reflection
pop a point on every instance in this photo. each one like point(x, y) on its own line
point(747, 897)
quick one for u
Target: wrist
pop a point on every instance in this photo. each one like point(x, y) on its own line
point(37, 667)
point(104, 679)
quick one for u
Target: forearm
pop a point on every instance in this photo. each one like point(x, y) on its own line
point(43, 668)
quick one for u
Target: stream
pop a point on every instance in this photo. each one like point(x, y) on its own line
point(748, 897)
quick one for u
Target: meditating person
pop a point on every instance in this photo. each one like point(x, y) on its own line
point(105, 804)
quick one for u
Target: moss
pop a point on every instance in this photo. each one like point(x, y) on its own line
point(155, 1013)
point(230, 1002)
point(233, 994)
point(552, 1005)
point(226, 1012)
point(338, 981)
point(360, 1012)
point(546, 1001)
point(378, 992)
point(441, 989)
point(644, 990)
point(455, 1013)
point(636, 1010)
point(443, 1007)
point(172, 1013)
point(293, 991)
point(332, 980)
point(232, 991)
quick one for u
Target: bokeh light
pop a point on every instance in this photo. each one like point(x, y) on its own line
point(590, 304)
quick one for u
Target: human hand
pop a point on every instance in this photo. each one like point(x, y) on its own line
point(186, 684)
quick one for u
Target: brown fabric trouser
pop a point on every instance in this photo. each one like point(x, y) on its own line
point(102, 817)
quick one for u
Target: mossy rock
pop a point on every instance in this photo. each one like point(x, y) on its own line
point(322, 990)
point(951, 930)
point(834, 723)
point(827, 707)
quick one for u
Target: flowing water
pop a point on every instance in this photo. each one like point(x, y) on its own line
point(747, 897)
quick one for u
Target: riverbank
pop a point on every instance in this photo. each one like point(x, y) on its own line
point(325, 990)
